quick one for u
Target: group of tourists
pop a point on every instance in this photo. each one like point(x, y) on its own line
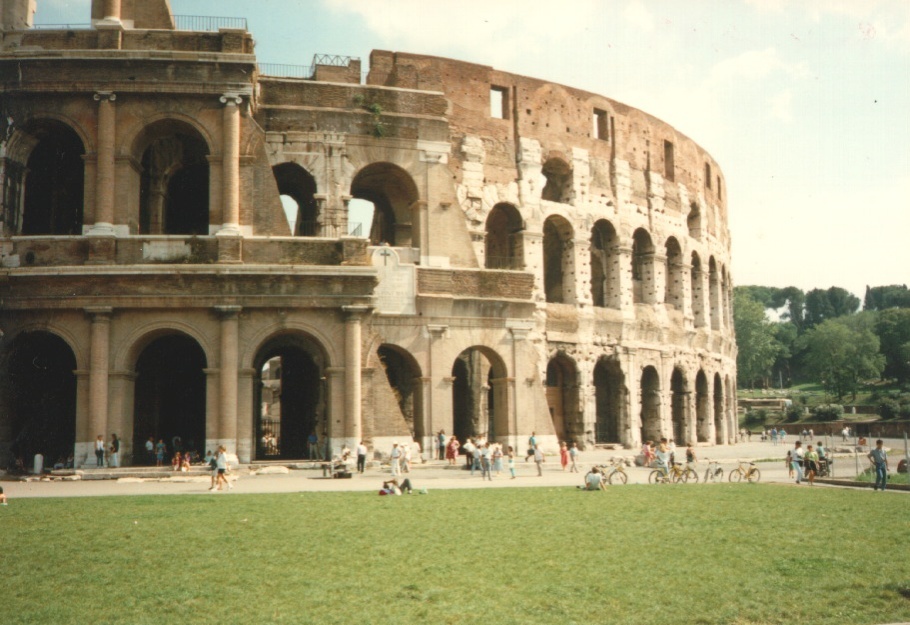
point(109, 451)
point(218, 463)
point(805, 464)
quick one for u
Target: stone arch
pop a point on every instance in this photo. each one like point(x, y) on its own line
point(403, 374)
point(679, 405)
point(503, 244)
point(673, 295)
point(714, 294)
point(559, 264)
point(611, 398)
point(125, 357)
point(558, 174)
point(169, 392)
point(605, 284)
point(45, 179)
point(643, 274)
point(290, 395)
point(563, 398)
point(480, 399)
point(299, 187)
point(37, 398)
point(394, 196)
point(702, 408)
point(174, 183)
point(719, 425)
point(698, 291)
point(651, 429)
point(331, 348)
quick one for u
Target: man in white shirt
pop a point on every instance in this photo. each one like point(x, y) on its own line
point(361, 457)
point(395, 458)
point(795, 457)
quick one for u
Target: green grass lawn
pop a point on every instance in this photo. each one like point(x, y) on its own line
point(737, 554)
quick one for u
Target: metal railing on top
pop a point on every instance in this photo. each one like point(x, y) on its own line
point(203, 23)
point(333, 59)
point(286, 71)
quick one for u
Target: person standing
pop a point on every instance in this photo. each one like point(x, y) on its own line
point(511, 461)
point(811, 462)
point(150, 451)
point(795, 459)
point(538, 460)
point(160, 450)
point(573, 458)
point(361, 457)
point(452, 450)
point(879, 459)
point(441, 437)
point(313, 445)
point(469, 450)
point(114, 461)
point(485, 462)
point(564, 455)
point(395, 459)
point(99, 452)
point(497, 459)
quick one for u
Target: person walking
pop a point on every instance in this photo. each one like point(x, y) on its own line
point(222, 465)
point(538, 460)
point(532, 445)
point(99, 452)
point(879, 459)
point(361, 457)
point(573, 458)
point(811, 462)
point(795, 459)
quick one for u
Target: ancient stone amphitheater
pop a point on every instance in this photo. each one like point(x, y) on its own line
point(198, 246)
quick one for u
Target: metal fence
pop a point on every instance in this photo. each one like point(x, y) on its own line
point(286, 71)
point(204, 23)
point(336, 60)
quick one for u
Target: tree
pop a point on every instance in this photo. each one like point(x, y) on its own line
point(884, 297)
point(840, 353)
point(757, 347)
point(893, 330)
point(832, 303)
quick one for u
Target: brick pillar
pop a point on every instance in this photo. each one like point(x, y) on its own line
point(227, 396)
point(104, 180)
point(99, 358)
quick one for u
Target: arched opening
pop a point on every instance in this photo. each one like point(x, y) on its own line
point(503, 243)
point(693, 221)
point(174, 184)
point(479, 395)
point(719, 410)
point(698, 291)
point(611, 397)
point(650, 405)
point(559, 266)
point(39, 395)
point(562, 398)
point(725, 296)
point(394, 196)
point(714, 294)
point(403, 374)
point(289, 395)
point(558, 187)
point(679, 405)
point(297, 189)
point(673, 295)
point(702, 408)
point(53, 179)
point(604, 270)
point(169, 399)
point(642, 268)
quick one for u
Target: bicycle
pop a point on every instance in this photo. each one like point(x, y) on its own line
point(672, 475)
point(613, 471)
point(714, 473)
point(750, 473)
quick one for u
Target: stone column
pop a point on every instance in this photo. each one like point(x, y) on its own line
point(353, 422)
point(111, 10)
point(227, 397)
point(582, 276)
point(659, 278)
point(519, 331)
point(333, 425)
point(104, 180)
point(230, 163)
point(245, 418)
point(626, 286)
point(99, 358)
point(630, 426)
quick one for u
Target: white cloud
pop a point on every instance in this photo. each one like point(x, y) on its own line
point(781, 106)
point(639, 16)
point(754, 65)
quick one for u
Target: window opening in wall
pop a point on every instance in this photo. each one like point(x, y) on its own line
point(669, 164)
point(559, 181)
point(719, 195)
point(707, 175)
point(499, 102)
point(601, 129)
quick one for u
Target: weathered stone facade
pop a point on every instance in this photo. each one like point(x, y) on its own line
point(541, 259)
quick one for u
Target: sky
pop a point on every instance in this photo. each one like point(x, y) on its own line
point(804, 103)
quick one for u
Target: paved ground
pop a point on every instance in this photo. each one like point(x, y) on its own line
point(434, 475)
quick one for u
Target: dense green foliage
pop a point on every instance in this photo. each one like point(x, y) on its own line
point(505, 556)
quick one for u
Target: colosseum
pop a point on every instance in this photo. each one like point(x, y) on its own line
point(197, 245)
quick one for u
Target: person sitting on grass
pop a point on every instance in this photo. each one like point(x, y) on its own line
point(391, 487)
point(594, 480)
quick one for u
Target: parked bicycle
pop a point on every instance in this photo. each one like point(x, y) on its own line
point(745, 471)
point(714, 472)
point(613, 473)
point(672, 475)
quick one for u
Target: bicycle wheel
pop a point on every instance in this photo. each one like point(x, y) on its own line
point(691, 476)
point(736, 475)
point(619, 477)
point(677, 476)
point(754, 475)
point(656, 477)
point(718, 475)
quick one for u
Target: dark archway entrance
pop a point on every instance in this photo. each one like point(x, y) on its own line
point(54, 181)
point(562, 398)
point(170, 394)
point(403, 374)
point(718, 410)
point(650, 405)
point(289, 398)
point(40, 399)
point(503, 243)
point(393, 194)
point(611, 396)
point(679, 406)
point(479, 395)
point(702, 402)
point(298, 184)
